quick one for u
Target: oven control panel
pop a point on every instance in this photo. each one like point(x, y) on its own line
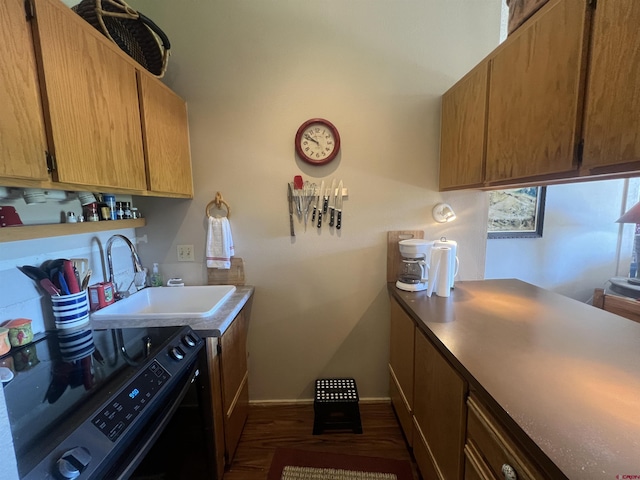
point(118, 415)
point(105, 436)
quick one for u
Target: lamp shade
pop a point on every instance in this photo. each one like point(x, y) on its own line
point(631, 216)
point(443, 213)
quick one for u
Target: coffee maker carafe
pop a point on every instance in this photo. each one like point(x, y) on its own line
point(413, 275)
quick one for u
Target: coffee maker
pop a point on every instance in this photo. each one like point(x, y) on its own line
point(413, 275)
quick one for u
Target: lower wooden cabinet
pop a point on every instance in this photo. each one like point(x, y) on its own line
point(228, 370)
point(453, 434)
point(401, 357)
point(490, 452)
point(439, 413)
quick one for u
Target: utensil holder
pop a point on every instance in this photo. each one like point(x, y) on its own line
point(71, 311)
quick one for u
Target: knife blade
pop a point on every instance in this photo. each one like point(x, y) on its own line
point(325, 202)
point(290, 199)
point(316, 204)
point(320, 195)
point(332, 202)
point(339, 206)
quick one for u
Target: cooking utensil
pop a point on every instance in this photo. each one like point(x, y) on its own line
point(316, 204)
point(339, 206)
point(63, 284)
point(325, 202)
point(70, 277)
point(290, 199)
point(40, 277)
point(297, 186)
point(332, 202)
point(85, 280)
point(324, 208)
point(308, 192)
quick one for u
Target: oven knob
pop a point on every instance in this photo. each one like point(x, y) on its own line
point(176, 353)
point(189, 341)
point(73, 462)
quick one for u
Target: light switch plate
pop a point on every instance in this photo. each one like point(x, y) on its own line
point(185, 253)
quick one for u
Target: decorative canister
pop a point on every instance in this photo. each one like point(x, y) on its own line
point(20, 332)
point(5, 346)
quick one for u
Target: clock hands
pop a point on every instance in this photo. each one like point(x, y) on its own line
point(308, 137)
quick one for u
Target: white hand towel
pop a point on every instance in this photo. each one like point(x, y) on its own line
point(219, 249)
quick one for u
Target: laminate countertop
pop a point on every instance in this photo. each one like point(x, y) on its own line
point(212, 326)
point(567, 373)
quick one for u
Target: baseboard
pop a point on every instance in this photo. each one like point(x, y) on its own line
point(309, 401)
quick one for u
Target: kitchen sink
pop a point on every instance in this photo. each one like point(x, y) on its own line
point(167, 302)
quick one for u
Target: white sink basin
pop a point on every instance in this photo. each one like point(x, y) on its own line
point(167, 302)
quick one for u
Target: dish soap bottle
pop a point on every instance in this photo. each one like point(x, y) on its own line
point(156, 276)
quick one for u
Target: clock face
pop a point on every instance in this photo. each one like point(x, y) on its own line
point(317, 141)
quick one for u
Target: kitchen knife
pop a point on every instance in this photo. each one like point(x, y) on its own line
point(325, 202)
point(332, 202)
point(290, 199)
point(316, 205)
point(339, 206)
point(321, 195)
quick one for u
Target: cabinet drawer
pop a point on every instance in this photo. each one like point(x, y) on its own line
point(401, 407)
point(490, 449)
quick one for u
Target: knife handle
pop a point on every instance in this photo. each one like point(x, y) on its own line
point(313, 216)
point(291, 230)
point(339, 220)
point(319, 218)
point(332, 216)
point(325, 204)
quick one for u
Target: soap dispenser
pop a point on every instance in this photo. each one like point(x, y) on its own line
point(156, 276)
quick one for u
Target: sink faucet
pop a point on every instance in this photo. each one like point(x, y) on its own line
point(138, 278)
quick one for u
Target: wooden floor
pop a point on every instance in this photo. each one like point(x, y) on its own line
point(274, 426)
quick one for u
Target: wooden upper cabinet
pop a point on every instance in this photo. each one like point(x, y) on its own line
point(462, 144)
point(166, 138)
point(92, 111)
point(612, 104)
point(535, 95)
point(22, 136)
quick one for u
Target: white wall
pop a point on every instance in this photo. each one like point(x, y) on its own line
point(252, 72)
point(581, 247)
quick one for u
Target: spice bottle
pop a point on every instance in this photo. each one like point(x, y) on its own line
point(93, 212)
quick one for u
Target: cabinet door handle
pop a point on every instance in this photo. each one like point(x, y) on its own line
point(509, 472)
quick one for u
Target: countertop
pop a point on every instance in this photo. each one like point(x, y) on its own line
point(567, 373)
point(213, 326)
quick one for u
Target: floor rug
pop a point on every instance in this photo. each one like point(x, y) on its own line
point(294, 464)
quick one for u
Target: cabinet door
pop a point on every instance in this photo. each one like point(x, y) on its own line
point(402, 336)
point(462, 143)
point(215, 385)
point(439, 411)
point(22, 136)
point(535, 95)
point(612, 105)
point(92, 108)
point(166, 138)
point(235, 382)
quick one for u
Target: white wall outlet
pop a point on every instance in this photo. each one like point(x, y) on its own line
point(185, 253)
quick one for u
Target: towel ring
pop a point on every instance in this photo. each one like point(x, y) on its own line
point(218, 202)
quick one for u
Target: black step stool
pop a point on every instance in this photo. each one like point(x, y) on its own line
point(336, 405)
